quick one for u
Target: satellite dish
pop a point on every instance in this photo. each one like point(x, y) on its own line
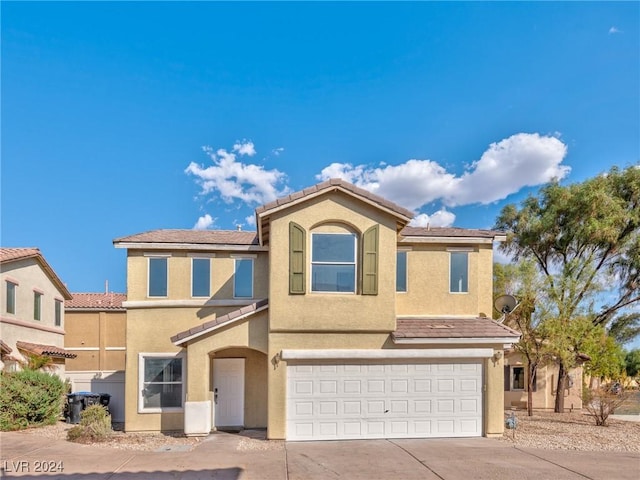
point(505, 303)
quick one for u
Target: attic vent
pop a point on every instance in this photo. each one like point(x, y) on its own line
point(440, 326)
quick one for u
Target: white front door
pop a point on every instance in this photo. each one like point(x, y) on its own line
point(359, 400)
point(228, 392)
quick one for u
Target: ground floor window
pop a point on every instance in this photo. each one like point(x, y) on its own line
point(162, 382)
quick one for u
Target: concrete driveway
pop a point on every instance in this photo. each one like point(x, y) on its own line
point(232, 457)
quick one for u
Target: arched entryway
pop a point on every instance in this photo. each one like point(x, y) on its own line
point(239, 388)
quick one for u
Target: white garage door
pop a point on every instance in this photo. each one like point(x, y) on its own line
point(384, 400)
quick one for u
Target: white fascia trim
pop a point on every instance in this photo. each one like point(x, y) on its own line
point(186, 303)
point(83, 349)
point(336, 354)
point(190, 246)
point(180, 342)
point(449, 341)
point(446, 240)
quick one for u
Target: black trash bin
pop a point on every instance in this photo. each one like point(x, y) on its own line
point(91, 399)
point(75, 405)
point(105, 398)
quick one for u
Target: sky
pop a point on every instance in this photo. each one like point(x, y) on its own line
point(123, 117)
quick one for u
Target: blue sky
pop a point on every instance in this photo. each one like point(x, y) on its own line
point(119, 118)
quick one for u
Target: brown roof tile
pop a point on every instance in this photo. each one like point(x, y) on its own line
point(96, 301)
point(229, 317)
point(452, 328)
point(332, 184)
point(48, 350)
point(448, 232)
point(213, 237)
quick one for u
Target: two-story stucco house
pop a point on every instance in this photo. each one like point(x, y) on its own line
point(32, 309)
point(333, 321)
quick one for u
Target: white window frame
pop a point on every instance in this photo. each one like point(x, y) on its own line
point(354, 263)
point(57, 312)
point(141, 359)
point(201, 257)
point(37, 305)
point(406, 270)
point(466, 251)
point(13, 297)
point(253, 273)
point(511, 376)
point(149, 258)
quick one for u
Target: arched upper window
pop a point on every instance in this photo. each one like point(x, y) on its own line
point(333, 262)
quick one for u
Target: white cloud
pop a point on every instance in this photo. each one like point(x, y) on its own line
point(204, 222)
point(507, 166)
point(277, 151)
point(234, 180)
point(613, 30)
point(442, 218)
point(251, 220)
point(245, 148)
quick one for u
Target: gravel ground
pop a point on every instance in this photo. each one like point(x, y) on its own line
point(546, 430)
point(572, 431)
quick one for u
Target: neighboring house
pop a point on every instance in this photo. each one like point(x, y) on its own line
point(545, 384)
point(32, 310)
point(96, 331)
point(333, 321)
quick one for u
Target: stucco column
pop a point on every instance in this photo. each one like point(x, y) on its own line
point(277, 395)
point(494, 396)
point(198, 372)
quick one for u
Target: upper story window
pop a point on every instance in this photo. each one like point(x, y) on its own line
point(333, 262)
point(158, 276)
point(11, 297)
point(243, 278)
point(459, 272)
point(58, 313)
point(401, 272)
point(200, 277)
point(37, 305)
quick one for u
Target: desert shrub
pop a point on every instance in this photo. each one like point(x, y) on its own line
point(95, 426)
point(603, 401)
point(29, 398)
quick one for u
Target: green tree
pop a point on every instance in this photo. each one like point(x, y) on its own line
point(632, 362)
point(625, 327)
point(524, 282)
point(584, 239)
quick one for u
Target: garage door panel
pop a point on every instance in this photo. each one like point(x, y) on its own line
point(377, 400)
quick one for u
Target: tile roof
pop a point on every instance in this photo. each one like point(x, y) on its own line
point(12, 254)
point(7, 253)
point(480, 327)
point(332, 184)
point(96, 301)
point(213, 237)
point(48, 350)
point(4, 348)
point(218, 321)
point(448, 232)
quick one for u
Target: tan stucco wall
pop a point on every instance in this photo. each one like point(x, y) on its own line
point(179, 274)
point(546, 382)
point(428, 282)
point(100, 331)
point(331, 311)
point(21, 325)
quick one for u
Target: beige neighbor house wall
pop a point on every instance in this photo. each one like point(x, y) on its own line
point(545, 390)
point(152, 321)
point(31, 275)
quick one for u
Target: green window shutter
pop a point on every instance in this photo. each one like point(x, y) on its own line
point(370, 261)
point(296, 259)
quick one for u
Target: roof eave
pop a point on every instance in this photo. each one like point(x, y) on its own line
point(188, 246)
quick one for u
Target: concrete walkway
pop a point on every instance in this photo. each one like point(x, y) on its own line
point(232, 457)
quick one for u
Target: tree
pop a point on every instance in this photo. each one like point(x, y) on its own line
point(584, 239)
point(523, 281)
point(632, 362)
point(625, 327)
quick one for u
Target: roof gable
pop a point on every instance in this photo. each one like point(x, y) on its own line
point(402, 214)
point(14, 254)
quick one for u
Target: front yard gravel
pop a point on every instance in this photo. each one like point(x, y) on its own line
point(546, 430)
point(572, 431)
